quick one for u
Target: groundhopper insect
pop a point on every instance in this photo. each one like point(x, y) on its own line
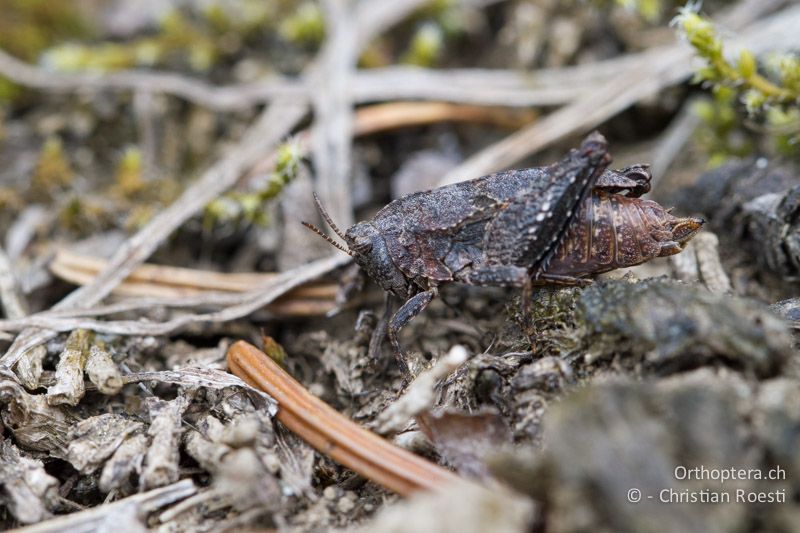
point(546, 225)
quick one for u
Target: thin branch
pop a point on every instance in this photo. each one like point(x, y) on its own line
point(10, 296)
point(90, 519)
point(331, 433)
point(233, 98)
point(546, 87)
point(468, 86)
point(332, 133)
point(246, 304)
point(154, 280)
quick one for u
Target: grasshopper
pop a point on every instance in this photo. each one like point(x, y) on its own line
point(557, 224)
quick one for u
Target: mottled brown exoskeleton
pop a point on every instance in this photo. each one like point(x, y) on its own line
point(546, 225)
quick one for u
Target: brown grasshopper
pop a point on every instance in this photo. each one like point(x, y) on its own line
point(519, 228)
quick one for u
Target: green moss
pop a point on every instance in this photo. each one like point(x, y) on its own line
point(248, 207)
point(179, 40)
point(274, 350)
point(53, 172)
point(182, 40)
point(749, 101)
point(785, 127)
point(10, 200)
point(548, 321)
point(84, 215)
point(139, 216)
point(27, 27)
point(426, 46)
point(721, 133)
point(129, 180)
point(304, 26)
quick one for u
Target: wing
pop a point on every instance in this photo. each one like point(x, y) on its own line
point(447, 208)
point(528, 230)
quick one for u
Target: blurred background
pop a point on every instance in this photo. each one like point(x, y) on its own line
point(192, 135)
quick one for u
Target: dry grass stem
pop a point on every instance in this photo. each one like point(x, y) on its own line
point(395, 115)
point(244, 304)
point(176, 282)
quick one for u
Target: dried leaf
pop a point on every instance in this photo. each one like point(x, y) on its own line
point(420, 395)
point(29, 492)
point(95, 439)
point(35, 424)
point(29, 367)
point(126, 460)
point(465, 440)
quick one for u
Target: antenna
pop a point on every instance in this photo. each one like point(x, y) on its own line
point(327, 217)
point(319, 232)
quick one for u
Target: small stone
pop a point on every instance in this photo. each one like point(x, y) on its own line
point(345, 505)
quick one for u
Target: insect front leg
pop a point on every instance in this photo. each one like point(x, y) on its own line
point(413, 306)
point(379, 334)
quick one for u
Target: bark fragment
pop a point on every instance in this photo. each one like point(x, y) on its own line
point(95, 439)
point(29, 367)
point(69, 387)
point(28, 491)
point(161, 462)
point(35, 424)
point(102, 370)
point(127, 459)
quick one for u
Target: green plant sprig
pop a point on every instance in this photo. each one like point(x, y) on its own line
point(743, 75)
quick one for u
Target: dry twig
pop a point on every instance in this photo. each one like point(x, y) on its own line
point(333, 434)
point(10, 297)
point(143, 504)
point(217, 98)
point(176, 282)
point(394, 115)
point(419, 395)
point(69, 386)
point(244, 305)
point(332, 132)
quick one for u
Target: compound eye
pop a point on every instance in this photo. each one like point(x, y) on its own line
point(362, 245)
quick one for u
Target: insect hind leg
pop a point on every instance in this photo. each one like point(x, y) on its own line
point(496, 276)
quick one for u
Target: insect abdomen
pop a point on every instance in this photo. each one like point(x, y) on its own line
point(609, 232)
